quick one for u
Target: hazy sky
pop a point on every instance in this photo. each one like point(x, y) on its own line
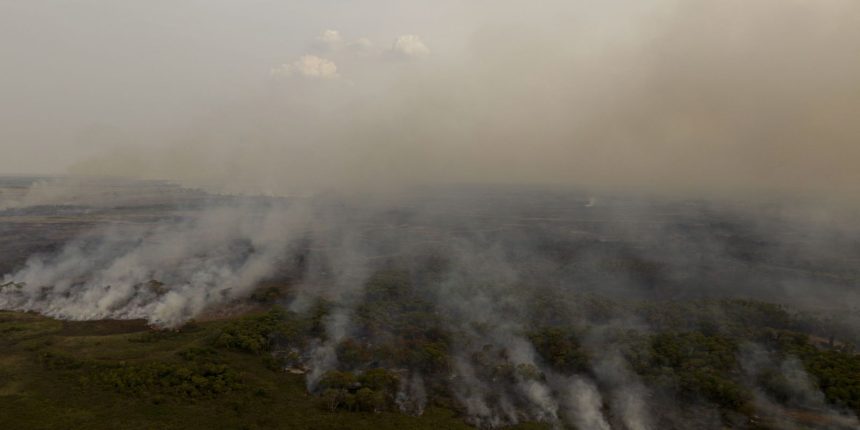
point(78, 74)
point(278, 96)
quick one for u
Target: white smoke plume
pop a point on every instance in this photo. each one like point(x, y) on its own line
point(585, 405)
point(797, 384)
point(412, 396)
point(628, 394)
point(166, 273)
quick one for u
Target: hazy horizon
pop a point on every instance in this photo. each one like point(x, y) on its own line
point(691, 97)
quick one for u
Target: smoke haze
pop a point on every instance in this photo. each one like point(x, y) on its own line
point(725, 97)
point(321, 145)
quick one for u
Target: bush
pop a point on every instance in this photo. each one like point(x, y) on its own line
point(257, 334)
point(696, 365)
point(168, 379)
point(372, 391)
point(560, 349)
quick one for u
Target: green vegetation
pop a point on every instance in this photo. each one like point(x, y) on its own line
point(836, 371)
point(370, 391)
point(259, 333)
point(413, 333)
point(230, 374)
point(695, 365)
point(560, 349)
point(190, 379)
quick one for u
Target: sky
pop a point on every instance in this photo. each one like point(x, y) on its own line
point(698, 96)
point(79, 74)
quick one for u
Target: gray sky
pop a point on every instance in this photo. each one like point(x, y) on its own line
point(276, 96)
point(76, 72)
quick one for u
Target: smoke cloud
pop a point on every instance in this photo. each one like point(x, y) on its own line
point(333, 111)
point(668, 96)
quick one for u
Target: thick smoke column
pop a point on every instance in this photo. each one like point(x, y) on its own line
point(585, 405)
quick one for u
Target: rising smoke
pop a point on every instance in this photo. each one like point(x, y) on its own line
point(729, 99)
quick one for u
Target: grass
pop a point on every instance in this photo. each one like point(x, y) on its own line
point(52, 376)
